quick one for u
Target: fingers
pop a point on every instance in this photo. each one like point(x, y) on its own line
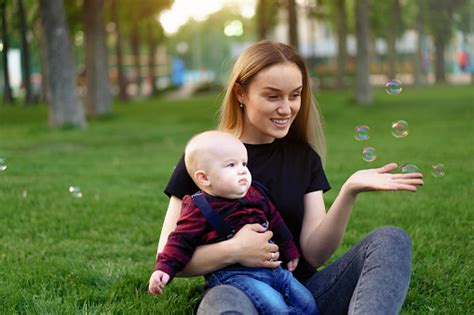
point(256, 227)
point(387, 168)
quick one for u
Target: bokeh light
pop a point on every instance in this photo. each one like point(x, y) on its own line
point(362, 132)
point(368, 154)
point(400, 129)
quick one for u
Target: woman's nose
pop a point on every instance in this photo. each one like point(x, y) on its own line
point(284, 108)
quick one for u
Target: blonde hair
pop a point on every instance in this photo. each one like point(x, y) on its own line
point(307, 126)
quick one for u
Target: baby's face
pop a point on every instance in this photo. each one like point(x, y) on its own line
point(228, 173)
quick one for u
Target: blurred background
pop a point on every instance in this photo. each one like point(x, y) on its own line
point(78, 55)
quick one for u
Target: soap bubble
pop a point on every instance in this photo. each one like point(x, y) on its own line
point(437, 170)
point(3, 165)
point(368, 154)
point(75, 191)
point(24, 193)
point(362, 132)
point(393, 87)
point(400, 129)
point(409, 168)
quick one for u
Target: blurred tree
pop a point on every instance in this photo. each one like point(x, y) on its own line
point(440, 23)
point(139, 18)
point(393, 35)
point(155, 36)
point(386, 22)
point(420, 75)
point(65, 109)
point(341, 18)
point(121, 78)
point(98, 99)
point(7, 90)
point(266, 17)
point(25, 54)
point(292, 23)
point(363, 89)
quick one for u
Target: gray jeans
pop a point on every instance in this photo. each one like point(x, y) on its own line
point(371, 278)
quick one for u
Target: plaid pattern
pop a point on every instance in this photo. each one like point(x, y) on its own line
point(193, 229)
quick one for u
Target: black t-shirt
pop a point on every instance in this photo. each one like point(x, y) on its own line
point(288, 169)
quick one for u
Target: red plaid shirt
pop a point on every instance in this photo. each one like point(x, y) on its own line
point(193, 229)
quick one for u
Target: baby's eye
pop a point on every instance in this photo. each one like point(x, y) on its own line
point(231, 165)
point(244, 164)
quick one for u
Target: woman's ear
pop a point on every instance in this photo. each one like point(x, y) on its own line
point(201, 178)
point(239, 93)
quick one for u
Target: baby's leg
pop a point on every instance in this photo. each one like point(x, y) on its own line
point(256, 284)
point(298, 298)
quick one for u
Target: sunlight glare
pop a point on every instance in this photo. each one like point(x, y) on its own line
point(199, 10)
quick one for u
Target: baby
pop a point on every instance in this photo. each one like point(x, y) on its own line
point(217, 163)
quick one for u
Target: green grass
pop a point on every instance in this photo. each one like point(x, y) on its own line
point(94, 254)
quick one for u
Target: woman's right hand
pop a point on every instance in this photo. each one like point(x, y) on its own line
point(253, 249)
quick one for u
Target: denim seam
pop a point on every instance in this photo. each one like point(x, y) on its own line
point(361, 278)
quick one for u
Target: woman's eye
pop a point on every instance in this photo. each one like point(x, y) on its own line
point(295, 96)
point(273, 97)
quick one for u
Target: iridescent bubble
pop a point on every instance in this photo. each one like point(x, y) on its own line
point(362, 132)
point(368, 154)
point(400, 129)
point(409, 168)
point(393, 87)
point(3, 165)
point(438, 170)
point(75, 191)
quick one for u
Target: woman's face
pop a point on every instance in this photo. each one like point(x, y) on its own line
point(271, 103)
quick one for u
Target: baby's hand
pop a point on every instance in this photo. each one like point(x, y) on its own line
point(292, 264)
point(158, 281)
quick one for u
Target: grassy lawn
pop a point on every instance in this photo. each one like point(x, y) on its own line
point(62, 255)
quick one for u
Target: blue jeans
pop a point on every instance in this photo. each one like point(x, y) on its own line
point(272, 291)
point(371, 278)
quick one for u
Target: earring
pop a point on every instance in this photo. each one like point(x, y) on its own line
point(241, 105)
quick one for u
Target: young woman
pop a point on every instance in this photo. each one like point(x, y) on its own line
point(269, 106)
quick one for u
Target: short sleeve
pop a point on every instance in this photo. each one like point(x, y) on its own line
point(318, 180)
point(180, 183)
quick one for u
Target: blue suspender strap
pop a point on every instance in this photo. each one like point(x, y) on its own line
point(215, 220)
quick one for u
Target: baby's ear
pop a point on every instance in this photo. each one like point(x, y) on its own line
point(201, 178)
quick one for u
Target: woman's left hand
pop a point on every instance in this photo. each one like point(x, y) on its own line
point(382, 179)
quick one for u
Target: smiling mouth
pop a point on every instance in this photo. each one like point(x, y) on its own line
point(280, 122)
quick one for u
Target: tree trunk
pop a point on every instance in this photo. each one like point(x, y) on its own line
point(363, 89)
point(25, 54)
point(418, 58)
point(292, 24)
point(44, 64)
point(7, 91)
point(122, 80)
point(342, 44)
point(135, 46)
point(152, 45)
point(440, 71)
point(262, 19)
point(98, 99)
point(392, 39)
point(65, 109)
